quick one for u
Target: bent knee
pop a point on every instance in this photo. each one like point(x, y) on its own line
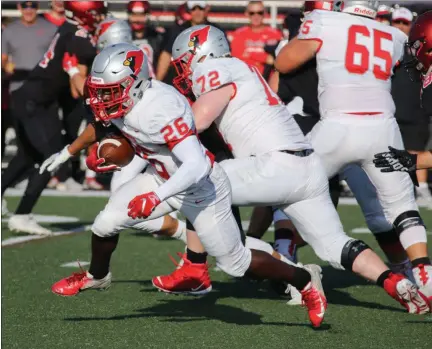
point(235, 263)
point(106, 224)
point(329, 249)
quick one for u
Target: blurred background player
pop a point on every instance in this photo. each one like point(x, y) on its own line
point(36, 108)
point(248, 42)
point(198, 11)
point(145, 36)
point(56, 15)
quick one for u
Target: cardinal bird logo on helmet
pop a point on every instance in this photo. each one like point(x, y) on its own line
point(198, 37)
point(134, 60)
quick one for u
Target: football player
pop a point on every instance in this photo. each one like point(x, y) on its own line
point(38, 103)
point(359, 68)
point(273, 162)
point(160, 124)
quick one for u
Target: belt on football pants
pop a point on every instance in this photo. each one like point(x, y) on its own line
point(300, 153)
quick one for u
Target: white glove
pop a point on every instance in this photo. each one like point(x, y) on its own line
point(55, 160)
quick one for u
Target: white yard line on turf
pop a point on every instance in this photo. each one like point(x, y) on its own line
point(21, 239)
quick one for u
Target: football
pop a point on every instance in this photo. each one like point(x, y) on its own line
point(116, 149)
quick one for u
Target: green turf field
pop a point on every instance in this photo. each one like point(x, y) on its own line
point(236, 314)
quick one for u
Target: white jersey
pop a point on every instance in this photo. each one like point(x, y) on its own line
point(156, 124)
point(355, 61)
point(255, 120)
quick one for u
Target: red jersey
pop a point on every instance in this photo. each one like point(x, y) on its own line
point(54, 20)
point(248, 45)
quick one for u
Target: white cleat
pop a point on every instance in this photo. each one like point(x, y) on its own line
point(92, 184)
point(26, 224)
point(69, 185)
point(423, 279)
point(316, 274)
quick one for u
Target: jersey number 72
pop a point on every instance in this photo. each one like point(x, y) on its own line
point(362, 52)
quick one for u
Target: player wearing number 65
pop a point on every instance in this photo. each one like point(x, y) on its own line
point(355, 60)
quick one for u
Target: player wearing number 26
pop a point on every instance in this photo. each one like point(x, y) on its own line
point(355, 60)
point(274, 164)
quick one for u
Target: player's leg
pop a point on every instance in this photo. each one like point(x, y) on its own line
point(106, 228)
point(319, 225)
point(384, 232)
point(220, 236)
point(395, 192)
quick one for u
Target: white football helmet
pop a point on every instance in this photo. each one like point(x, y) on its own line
point(191, 47)
point(117, 80)
point(113, 31)
point(365, 8)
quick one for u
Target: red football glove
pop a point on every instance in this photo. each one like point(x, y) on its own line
point(70, 64)
point(142, 206)
point(94, 163)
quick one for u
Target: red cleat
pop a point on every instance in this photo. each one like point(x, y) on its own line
point(423, 277)
point(77, 282)
point(316, 303)
point(188, 278)
point(407, 294)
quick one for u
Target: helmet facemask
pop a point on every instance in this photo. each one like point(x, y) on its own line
point(110, 101)
point(183, 66)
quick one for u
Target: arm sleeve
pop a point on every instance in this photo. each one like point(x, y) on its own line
point(311, 28)
point(195, 166)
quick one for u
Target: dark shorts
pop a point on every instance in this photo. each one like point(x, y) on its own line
point(415, 136)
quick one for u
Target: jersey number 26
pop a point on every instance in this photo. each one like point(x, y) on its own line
point(362, 52)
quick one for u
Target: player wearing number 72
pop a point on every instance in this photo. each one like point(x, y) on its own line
point(355, 60)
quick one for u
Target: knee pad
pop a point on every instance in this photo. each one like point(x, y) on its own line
point(407, 220)
point(237, 262)
point(350, 252)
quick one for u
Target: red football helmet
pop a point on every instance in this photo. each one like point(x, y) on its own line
point(420, 42)
point(309, 6)
point(87, 14)
point(182, 14)
point(139, 8)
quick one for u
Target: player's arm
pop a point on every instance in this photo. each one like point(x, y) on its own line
point(84, 140)
point(296, 53)
point(77, 73)
point(164, 62)
point(194, 167)
point(210, 105)
point(424, 160)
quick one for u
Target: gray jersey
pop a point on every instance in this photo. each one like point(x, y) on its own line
point(26, 45)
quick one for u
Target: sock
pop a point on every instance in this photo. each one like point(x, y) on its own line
point(300, 279)
point(195, 257)
point(102, 249)
point(284, 243)
point(382, 278)
point(413, 235)
point(418, 261)
point(180, 233)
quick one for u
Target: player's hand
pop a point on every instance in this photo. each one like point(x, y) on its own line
point(142, 206)
point(95, 163)
point(70, 64)
point(395, 160)
point(54, 161)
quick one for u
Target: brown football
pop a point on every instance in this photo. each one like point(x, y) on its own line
point(116, 149)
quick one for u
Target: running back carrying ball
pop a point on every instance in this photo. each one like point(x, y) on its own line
point(116, 150)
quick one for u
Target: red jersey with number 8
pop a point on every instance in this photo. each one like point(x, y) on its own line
point(355, 62)
point(255, 120)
